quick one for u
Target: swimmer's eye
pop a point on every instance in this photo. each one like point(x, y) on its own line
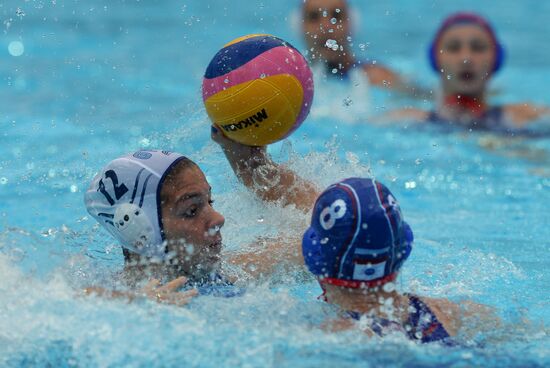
point(478, 46)
point(191, 212)
point(453, 46)
point(312, 15)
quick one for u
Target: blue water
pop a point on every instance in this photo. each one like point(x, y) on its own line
point(99, 79)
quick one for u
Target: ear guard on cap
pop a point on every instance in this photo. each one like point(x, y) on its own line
point(409, 239)
point(134, 227)
point(311, 249)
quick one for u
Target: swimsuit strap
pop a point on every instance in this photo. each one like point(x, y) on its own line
point(217, 285)
point(425, 326)
point(378, 325)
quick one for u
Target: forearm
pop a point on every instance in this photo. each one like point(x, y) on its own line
point(271, 181)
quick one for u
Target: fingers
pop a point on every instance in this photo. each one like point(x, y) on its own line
point(176, 298)
point(174, 284)
point(151, 285)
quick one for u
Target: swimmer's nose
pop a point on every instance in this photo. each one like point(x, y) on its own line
point(216, 221)
point(466, 55)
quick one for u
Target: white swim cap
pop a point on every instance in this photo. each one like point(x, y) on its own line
point(124, 197)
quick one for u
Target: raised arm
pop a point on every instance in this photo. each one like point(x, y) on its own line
point(270, 181)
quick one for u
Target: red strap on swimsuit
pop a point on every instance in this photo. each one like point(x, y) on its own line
point(468, 103)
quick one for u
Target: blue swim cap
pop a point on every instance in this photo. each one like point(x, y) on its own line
point(357, 235)
point(124, 197)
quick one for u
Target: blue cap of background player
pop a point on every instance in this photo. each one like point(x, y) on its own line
point(357, 237)
point(124, 197)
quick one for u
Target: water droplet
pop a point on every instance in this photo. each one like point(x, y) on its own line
point(410, 184)
point(74, 188)
point(337, 10)
point(226, 80)
point(334, 71)
point(347, 101)
point(365, 226)
point(20, 13)
point(325, 13)
point(3, 180)
point(333, 20)
point(418, 161)
point(262, 76)
point(332, 44)
point(448, 76)
point(16, 48)
point(260, 219)
point(324, 241)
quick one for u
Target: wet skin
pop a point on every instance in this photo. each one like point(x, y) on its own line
point(191, 225)
point(466, 55)
point(318, 28)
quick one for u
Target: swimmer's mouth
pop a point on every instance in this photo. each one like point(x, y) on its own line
point(466, 76)
point(215, 248)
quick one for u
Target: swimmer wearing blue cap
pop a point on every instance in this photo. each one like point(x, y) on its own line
point(355, 246)
point(466, 53)
point(158, 205)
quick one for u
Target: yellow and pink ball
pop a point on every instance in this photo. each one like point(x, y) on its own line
point(257, 89)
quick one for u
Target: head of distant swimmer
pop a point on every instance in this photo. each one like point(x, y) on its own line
point(324, 20)
point(190, 223)
point(465, 54)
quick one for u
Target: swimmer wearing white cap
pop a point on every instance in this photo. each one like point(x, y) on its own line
point(158, 205)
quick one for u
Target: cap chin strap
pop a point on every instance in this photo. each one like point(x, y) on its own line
point(355, 284)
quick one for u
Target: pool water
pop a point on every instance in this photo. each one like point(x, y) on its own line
point(84, 82)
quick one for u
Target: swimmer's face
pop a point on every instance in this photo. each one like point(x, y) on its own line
point(191, 225)
point(324, 20)
point(466, 54)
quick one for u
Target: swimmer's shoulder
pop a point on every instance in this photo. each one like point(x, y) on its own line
point(446, 312)
point(467, 317)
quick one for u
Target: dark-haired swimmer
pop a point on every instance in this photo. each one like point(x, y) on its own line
point(466, 53)
point(158, 205)
point(327, 29)
point(355, 246)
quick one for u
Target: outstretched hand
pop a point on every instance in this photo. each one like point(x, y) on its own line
point(166, 294)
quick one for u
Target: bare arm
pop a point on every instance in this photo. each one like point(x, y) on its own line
point(267, 179)
point(524, 113)
point(401, 115)
point(383, 77)
point(166, 294)
point(275, 252)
